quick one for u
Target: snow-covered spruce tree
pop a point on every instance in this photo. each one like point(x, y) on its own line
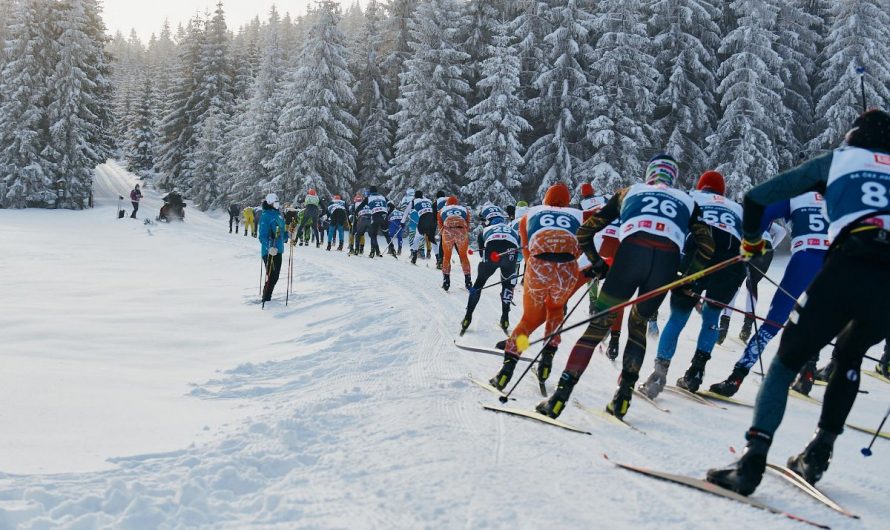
point(246, 57)
point(254, 137)
point(25, 94)
point(481, 20)
point(209, 161)
point(859, 37)
point(432, 110)
point(7, 11)
point(744, 147)
point(74, 118)
point(375, 136)
point(315, 128)
point(560, 99)
point(141, 143)
point(624, 77)
point(494, 164)
point(99, 70)
point(178, 129)
point(686, 36)
point(397, 35)
point(798, 45)
point(163, 63)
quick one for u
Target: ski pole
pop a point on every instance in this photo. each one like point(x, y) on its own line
point(649, 295)
point(866, 451)
point(290, 270)
point(754, 309)
point(507, 279)
point(506, 397)
point(753, 315)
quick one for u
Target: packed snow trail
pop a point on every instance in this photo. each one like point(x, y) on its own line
point(348, 408)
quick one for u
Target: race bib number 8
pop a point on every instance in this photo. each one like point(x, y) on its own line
point(875, 194)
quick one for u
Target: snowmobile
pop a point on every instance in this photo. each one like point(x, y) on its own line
point(173, 208)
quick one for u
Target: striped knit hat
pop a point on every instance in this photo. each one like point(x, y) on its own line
point(662, 169)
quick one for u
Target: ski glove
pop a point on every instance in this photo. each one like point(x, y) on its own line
point(598, 270)
point(273, 251)
point(751, 249)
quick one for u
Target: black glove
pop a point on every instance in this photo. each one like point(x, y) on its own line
point(598, 270)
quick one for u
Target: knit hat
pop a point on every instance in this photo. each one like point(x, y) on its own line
point(522, 204)
point(711, 181)
point(586, 189)
point(312, 192)
point(372, 189)
point(871, 130)
point(418, 194)
point(451, 201)
point(272, 200)
point(558, 195)
point(662, 169)
point(336, 197)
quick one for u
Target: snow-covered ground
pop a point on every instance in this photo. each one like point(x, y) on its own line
point(141, 386)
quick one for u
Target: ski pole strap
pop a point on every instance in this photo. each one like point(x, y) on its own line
point(648, 296)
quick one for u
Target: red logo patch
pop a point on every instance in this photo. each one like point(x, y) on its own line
point(882, 159)
point(813, 241)
point(799, 243)
point(645, 224)
point(660, 227)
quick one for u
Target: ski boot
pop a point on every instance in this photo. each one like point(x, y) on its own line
point(465, 323)
point(692, 379)
point(501, 345)
point(505, 319)
point(300, 242)
point(328, 247)
point(318, 244)
point(652, 330)
point(446, 282)
point(745, 332)
point(468, 282)
point(724, 329)
point(883, 367)
point(545, 365)
point(620, 403)
point(745, 475)
point(824, 373)
point(392, 252)
point(400, 250)
point(340, 247)
point(805, 379)
point(657, 379)
point(439, 264)
point(557, 403)
point(503, 377)
point(814, 460)
point(614, 344)
point(413, 257)
point(729, 387)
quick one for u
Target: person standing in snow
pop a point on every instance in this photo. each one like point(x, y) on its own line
point(135, 197)
point(234, 217)
point(249, 221)
point(272, 234)
point(311, 210)
point(337, 216)
point(454, 225)
point(426, 213)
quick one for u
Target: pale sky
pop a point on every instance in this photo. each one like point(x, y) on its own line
point(147, 16)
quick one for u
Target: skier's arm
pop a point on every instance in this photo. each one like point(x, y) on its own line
point(809, 176)
point(704, 241)
point(597, 222)
point(523, 237)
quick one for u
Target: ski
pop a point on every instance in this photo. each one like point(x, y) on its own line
point(542, 386)
point(487, 386)
point(490, 351)
point(803, 397)
point(876, 374)
point(713, 395)
point(713, 489)
point(650, 401)
point(532, 415)
point(690, 396)
point(801, 484)
point(883, 434)
point(605, 416)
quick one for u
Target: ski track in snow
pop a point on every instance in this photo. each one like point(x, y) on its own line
point(349, 408)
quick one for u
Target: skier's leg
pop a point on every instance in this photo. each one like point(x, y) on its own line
point(681, 308)
point(485, 271)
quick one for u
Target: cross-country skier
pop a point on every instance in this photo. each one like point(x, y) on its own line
point(396, 228)
point(337, 216)
point(135, 197)
point(498, 245)
point(550, 250)
point(809, 245)
point(454, 226)
point(377, 210)
point(425, 210)
point(849, 298)
point(655, 220)
point(311, 210)
point(441, 199)
point(725, 219)
point(234, 217)
point(272, 234)
point(249, 221)
point(361, 214)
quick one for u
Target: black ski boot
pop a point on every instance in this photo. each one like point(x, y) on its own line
point(340, 247)
point(446, 281)
point(557, 402)
point(614, 345)
point(724, 329)
point(620, 403)
point(805, 378)
point(883, 367)
point(413, 257)
point(503, 377)
point(328, 247)
point(824, 373)
point(745, 332)
point(501, 345)
point(692, 379)
point(468, 282)
point(438, 263)
point(465, 323)
point(392, 252)
point(545, 365)
point(744, 476)
point(814, 460)
point(505, 318)
point(729, 387)
point(653, 386)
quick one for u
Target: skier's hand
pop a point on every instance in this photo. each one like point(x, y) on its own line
point(599, 269)
point(273, 251)
point(752, 249)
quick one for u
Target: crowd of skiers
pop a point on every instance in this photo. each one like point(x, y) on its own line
point(632, 248)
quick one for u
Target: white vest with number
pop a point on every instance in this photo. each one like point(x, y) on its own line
point(719, 212)
point(858, 184)
point(657, 210)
